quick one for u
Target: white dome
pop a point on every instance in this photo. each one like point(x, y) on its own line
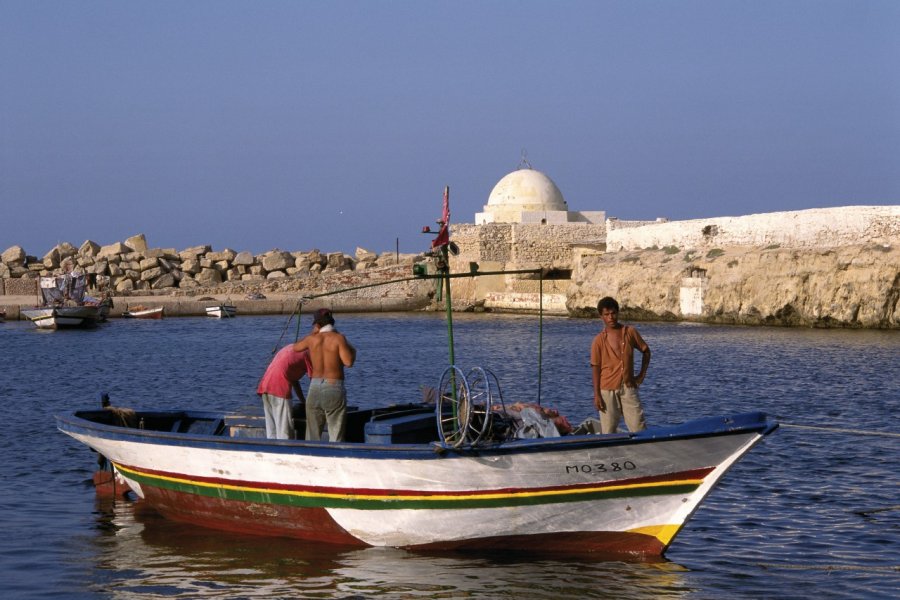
point(526, 190)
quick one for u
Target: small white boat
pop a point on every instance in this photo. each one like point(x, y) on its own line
point(221, 311)
point(142, 312)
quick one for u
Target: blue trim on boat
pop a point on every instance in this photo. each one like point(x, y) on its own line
point(754, 422)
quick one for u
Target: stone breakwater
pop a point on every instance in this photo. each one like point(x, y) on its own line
point(186, 281)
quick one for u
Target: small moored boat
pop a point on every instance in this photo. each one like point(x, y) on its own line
point(221, 311)
point(142, 312)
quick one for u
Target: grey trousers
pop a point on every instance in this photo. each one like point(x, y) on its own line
point(326, 402)
point(623, 401)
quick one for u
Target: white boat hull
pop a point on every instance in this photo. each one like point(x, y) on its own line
point(221, 312)
point(616, 494)
point(58, 317)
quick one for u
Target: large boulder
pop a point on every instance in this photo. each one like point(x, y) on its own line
point(124, 285)
point(89, 248)
point(191, 266)
point(117, 248)
point(166, 280)
point(14, 255)
point(243, 259)
point(208, 276)
point(66, 250)
point(149, 263)
point(51, 259)
point(277, 260)
point(194, 252)
point(138, 243)
point(337, 261)
point(148, 274)
point(226, 255)
point(365, 255)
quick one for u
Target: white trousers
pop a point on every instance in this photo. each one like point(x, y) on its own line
point(279, 421)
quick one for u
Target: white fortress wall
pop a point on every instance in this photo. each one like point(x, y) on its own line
point(820, 227)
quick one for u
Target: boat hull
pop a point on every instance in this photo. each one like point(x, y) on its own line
point(62, 317)
point(618, 494)
point(147, 313)
point(221, 312)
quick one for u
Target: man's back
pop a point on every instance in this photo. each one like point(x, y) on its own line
point(330, 353)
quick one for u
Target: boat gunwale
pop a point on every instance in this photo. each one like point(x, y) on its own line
point(70, 422)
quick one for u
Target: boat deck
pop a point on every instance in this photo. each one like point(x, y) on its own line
point(401, 424)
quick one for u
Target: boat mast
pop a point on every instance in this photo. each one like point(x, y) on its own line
point(441, 244)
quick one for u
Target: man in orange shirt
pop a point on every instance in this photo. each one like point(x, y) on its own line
point(612, 364)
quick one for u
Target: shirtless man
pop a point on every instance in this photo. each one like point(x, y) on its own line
point(612, 364)
point(326, 398)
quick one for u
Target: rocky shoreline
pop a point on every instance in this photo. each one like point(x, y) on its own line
point(186, 282)
point(843, 286)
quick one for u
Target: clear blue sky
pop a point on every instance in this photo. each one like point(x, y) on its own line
point(331, 125)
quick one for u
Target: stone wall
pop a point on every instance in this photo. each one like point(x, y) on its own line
point(523, 246)
point(816, 228)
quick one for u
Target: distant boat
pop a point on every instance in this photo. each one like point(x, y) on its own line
point(142, 312)
point(64, 304)
point(221, 311)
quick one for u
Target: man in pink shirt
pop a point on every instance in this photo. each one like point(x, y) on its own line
point(282, 376)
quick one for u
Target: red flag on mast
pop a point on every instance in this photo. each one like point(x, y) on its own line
point(443, 236)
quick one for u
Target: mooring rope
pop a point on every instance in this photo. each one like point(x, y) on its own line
point(842, 430)
point(875, 568)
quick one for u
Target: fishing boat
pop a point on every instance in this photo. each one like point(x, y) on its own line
point(221, 311)
point(397, 482)
point(64, 303)
point(462, 469)
point(142, 312)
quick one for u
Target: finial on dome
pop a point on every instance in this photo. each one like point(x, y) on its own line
point(523, 162)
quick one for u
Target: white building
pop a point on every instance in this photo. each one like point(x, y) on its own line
point(527, 196)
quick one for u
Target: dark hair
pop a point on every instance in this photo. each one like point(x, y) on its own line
point(323, 317)
point(607, 303)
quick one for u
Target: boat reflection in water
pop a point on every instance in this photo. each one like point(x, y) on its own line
point(145, 554)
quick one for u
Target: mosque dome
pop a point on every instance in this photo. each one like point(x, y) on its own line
point(526, 190)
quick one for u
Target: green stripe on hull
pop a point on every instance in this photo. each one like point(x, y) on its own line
point(409, 500)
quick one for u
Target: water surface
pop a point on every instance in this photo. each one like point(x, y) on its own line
point(808, 513)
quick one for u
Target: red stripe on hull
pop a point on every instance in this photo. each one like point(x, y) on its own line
point(700, 473)
point(248, 517)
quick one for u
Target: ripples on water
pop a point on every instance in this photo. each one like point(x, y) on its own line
point(808, 513)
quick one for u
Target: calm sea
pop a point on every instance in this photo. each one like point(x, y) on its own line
point(809, 513)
